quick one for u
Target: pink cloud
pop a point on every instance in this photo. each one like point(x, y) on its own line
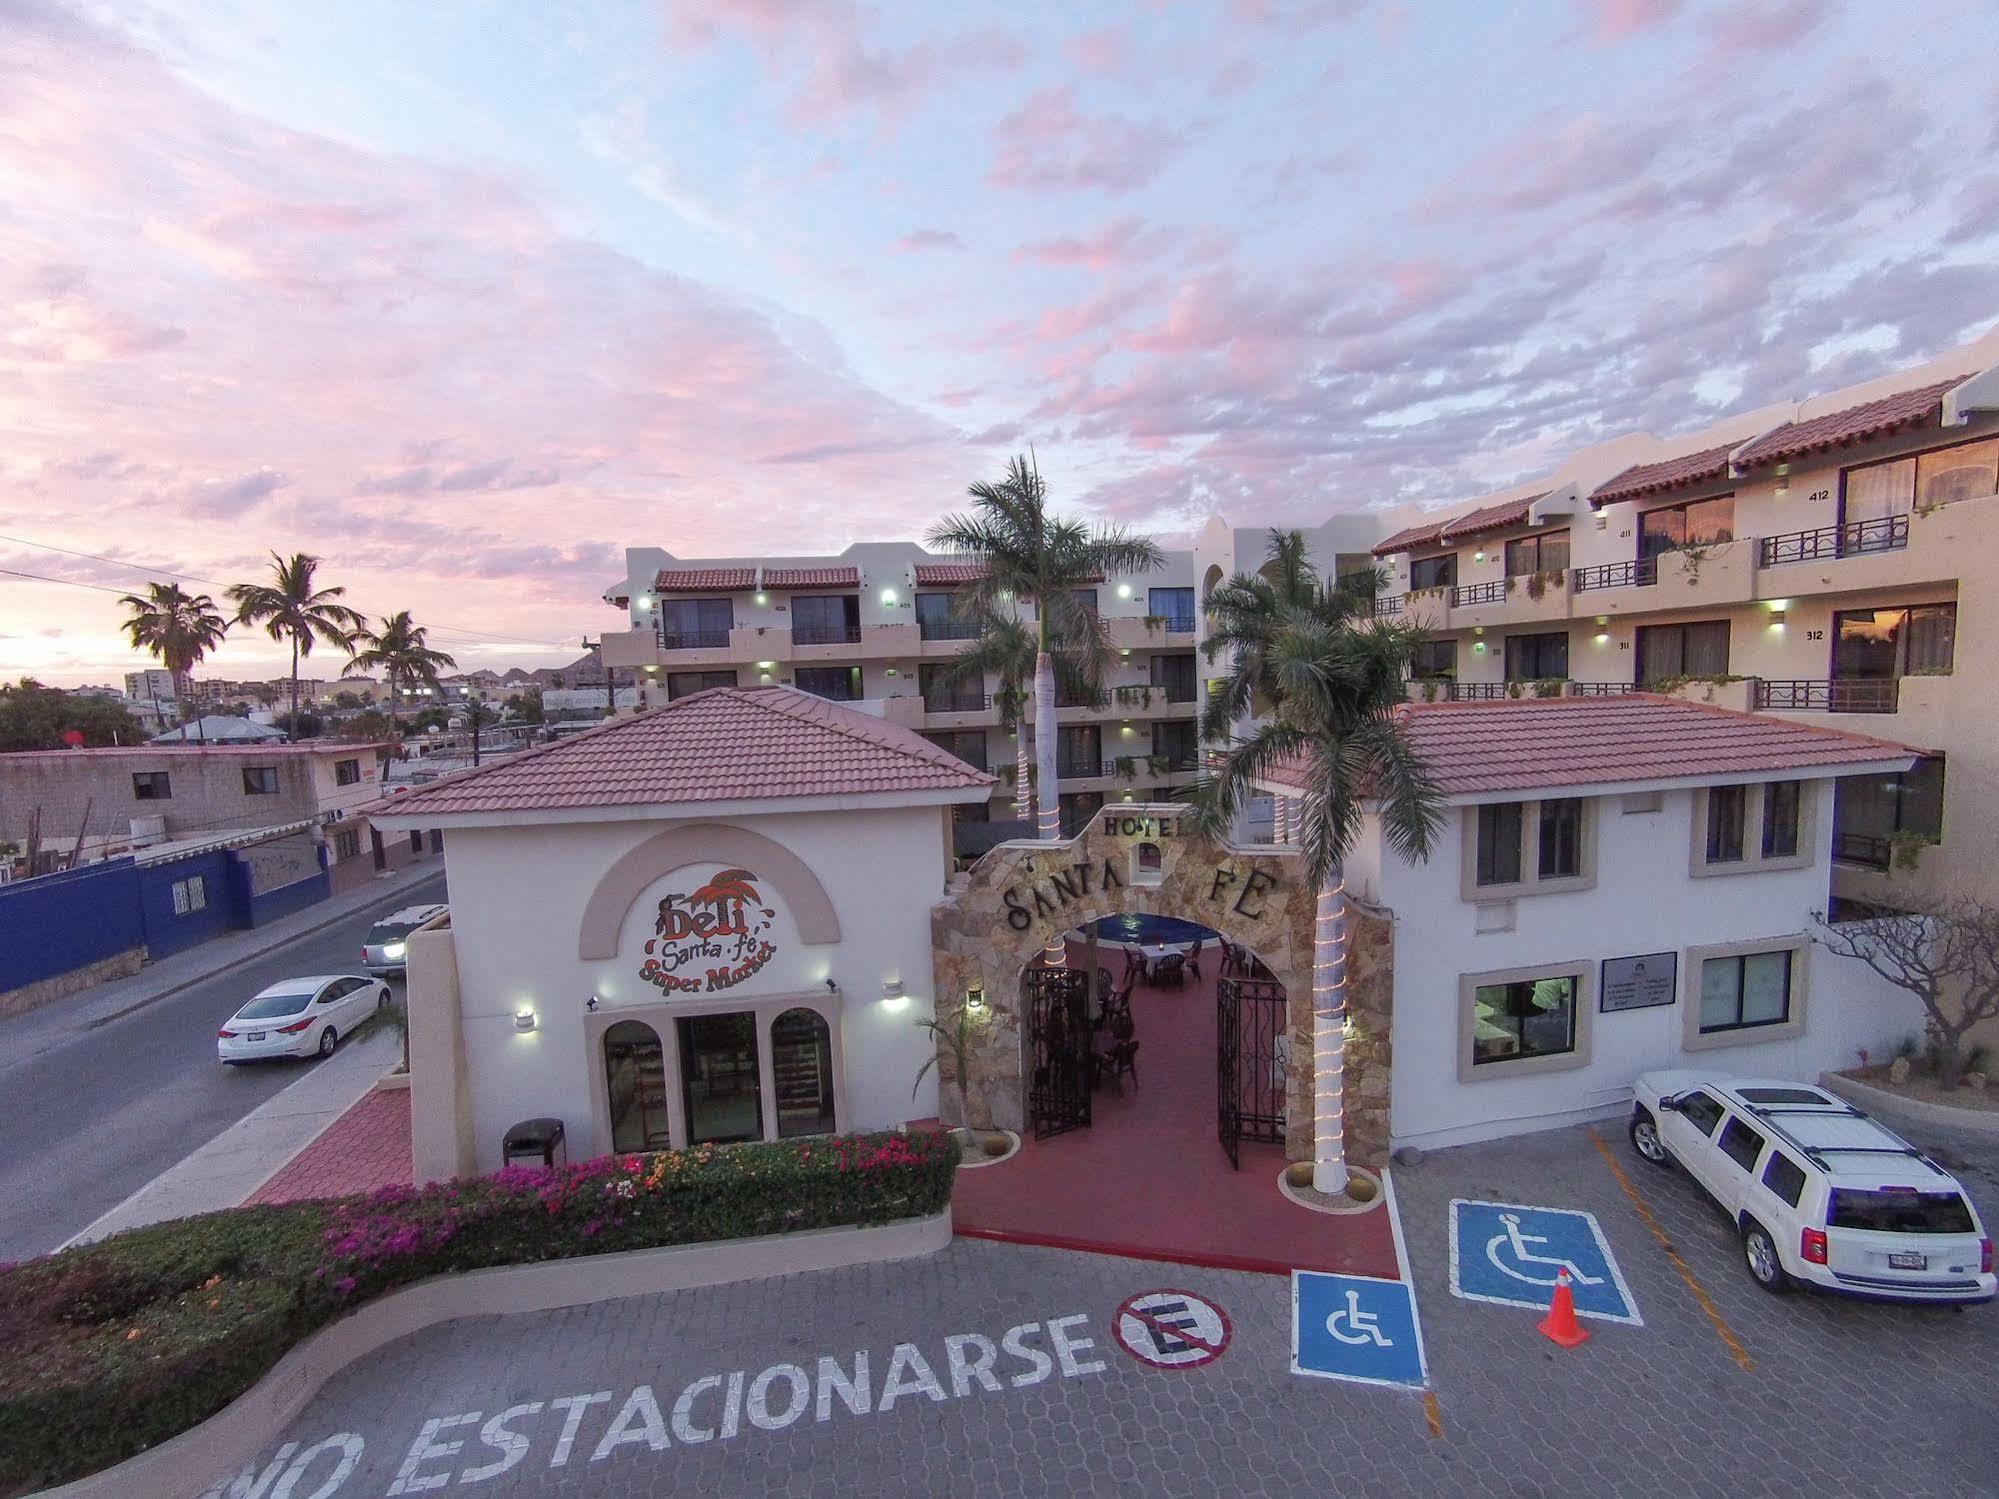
point(1048, 142)
point(1105, 49)
point(1610, 21)
point(929, 239)
point(1119, 242)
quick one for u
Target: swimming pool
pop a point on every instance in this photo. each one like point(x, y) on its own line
point(1150, 930)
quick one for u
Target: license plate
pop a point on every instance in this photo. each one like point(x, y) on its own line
point(254, 1036)
point(1908, 1260)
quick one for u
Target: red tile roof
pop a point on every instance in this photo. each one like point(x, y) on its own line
point(704, 579)
point(812, 577)
point(948, 574)
point(1411, 538)
point(1838, 429)
point(727, 744)
point(1541, 743)
point(1667, 473)
point(1488, 518)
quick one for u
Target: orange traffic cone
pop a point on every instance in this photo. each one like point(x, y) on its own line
point(1560, 1325)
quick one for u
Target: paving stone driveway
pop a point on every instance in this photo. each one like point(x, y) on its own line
point(1011, 1383)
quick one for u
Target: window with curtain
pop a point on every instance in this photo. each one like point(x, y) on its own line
point(1434, 572)
point(1079, 750)
point(1727, 807)
point(1546, 553)
point(1531, 1018)
point(1882, 643)
point(1530, 658)
point(1692, 650)
point(696, 622)
point(1696, 523)
point(1434, 659)
point(1175, 676)
point(681, 684)
point(1867, 811)
point(1174, 605)
point(968, 745)
point(825, 619)
point(1499, 831)
point(1744, 991)
point(838, 684)
point(944, 693)
point(1178, 742)
point(1969, 471)
point(1561, 840)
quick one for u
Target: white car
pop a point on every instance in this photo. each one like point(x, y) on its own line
point(300, 1017)
point(1822, 1194)
point(386, 947)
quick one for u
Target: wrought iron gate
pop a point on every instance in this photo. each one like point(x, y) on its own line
point(1058, 1045)
point(1252, 1056)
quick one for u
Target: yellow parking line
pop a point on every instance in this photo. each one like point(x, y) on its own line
point(1432, 1416)
point(1701, 1299)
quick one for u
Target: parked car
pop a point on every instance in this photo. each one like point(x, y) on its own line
point(300, 1017)
point(1822, 1194)
point(386, 948)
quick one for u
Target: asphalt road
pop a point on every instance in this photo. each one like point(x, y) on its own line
point(93, 1112)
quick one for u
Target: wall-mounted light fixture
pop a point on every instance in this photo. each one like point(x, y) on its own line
point(524, 1018)
point(1478, 629)
point(1783, 479)
point(645, 602)
point(892, 989)
point(975, 997)
point(763, 598)
point(1478, 647)
point(1124, 590)
point(1478, 556)
point(888, 595)
point(1602, 520)
point(891, 672)
point(590, 1004)
point(832, 986)
point(1777, 618)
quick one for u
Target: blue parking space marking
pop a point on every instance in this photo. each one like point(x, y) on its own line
point(1355, 1327)
point(1509, 1254)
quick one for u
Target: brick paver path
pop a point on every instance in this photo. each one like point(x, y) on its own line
point(365, 1148)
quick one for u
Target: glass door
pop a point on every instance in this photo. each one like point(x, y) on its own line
point(720, 1084)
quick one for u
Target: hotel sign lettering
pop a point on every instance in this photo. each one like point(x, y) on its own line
point(1244, 892)
point(711, 938)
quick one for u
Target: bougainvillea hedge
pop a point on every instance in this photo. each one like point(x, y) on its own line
point(113, 1347)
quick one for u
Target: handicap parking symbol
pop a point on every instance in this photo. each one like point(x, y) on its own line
point(1355, 1327)
point(1510, 1254)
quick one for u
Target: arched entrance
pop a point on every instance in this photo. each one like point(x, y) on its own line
point(635, 1087)
point(1143, 858)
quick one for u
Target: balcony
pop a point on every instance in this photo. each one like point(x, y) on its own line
point(1828, 695)
point(1642, 572)
point(693, 640)
point(826, 634)
point(1149, 631)
point(969, 701)
point(1388, 608)
point(1888, 533)
point(1524, 599)
point(950, 627)
point(1868, 850)
point(1479, 593)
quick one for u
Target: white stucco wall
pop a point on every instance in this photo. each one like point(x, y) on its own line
point(1644, 901)
point(518, 895)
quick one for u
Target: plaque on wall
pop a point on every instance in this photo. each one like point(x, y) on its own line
point(1639, 983)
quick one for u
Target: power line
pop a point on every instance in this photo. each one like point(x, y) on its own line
point(139, 567)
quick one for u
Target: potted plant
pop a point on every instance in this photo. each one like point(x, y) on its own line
point(1124, 767)
point(958, 1036)
point(1159, 765)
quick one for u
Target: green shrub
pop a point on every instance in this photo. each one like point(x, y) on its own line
point(114, 1347)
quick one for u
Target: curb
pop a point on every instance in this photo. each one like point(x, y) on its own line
point(208, 1454)
point(1972, 1121)
point(251, 952)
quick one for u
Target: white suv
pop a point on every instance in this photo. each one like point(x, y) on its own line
point(1822, 1194)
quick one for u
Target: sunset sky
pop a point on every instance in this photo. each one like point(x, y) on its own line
point(465, 298)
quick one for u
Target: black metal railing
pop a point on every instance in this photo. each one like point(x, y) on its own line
point(1134, 695)
point(1884, 533)
point(1835, 695)
point(951, 627)
point(1641, 572)
point(1479, 593)
point(1476, 692)
point(825, 634)
point(693, 640)
point(1869, 850)
point(1389, 607)
point(956, 702)
point(1598, 689)
point(1069, 770)
point(1176, 624)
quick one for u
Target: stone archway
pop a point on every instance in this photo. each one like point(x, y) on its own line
point(1021, 896)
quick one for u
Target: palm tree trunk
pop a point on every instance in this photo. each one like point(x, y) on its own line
point(1047, 793)
point(291, 726)
point(1022, 792)
point(1280, 831)
point(1329, 1043)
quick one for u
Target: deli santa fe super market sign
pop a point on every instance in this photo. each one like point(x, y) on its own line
point(710, 938)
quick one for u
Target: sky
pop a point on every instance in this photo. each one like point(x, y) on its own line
point(465, 298)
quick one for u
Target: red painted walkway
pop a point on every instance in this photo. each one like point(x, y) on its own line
point(1149, 1178)
point(365, 1148)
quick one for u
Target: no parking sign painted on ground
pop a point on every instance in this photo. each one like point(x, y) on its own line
point(1169, 1329)
point(1355, 1327)
point(1509, 1254)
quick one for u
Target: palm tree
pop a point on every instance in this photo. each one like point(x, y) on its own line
point(1326, 678)
point(177, 627)
point(290, 608)
point(1006, 649)
point(1036, 559)
point(400, 650)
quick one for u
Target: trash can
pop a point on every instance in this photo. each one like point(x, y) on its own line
point(531, 1138)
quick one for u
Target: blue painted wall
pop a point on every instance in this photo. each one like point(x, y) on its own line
point(254, 910)
point(167, 933)
point(60, 922)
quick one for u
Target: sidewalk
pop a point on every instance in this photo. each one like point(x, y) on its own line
point(24, 1035)
point(236, 1164)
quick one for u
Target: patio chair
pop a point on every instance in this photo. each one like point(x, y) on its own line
point(1124, 1060)
point(1194, 956)
point(1171, 971)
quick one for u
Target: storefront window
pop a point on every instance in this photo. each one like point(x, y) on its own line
point(801, 1062)
point(719, 1078)
point(635, 1079)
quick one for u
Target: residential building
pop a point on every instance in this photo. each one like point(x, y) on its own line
point(107, 801)
point(876, 626)
point(155, 684)
point(1622, 883)
point(221, 728)
point(1834, 562)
